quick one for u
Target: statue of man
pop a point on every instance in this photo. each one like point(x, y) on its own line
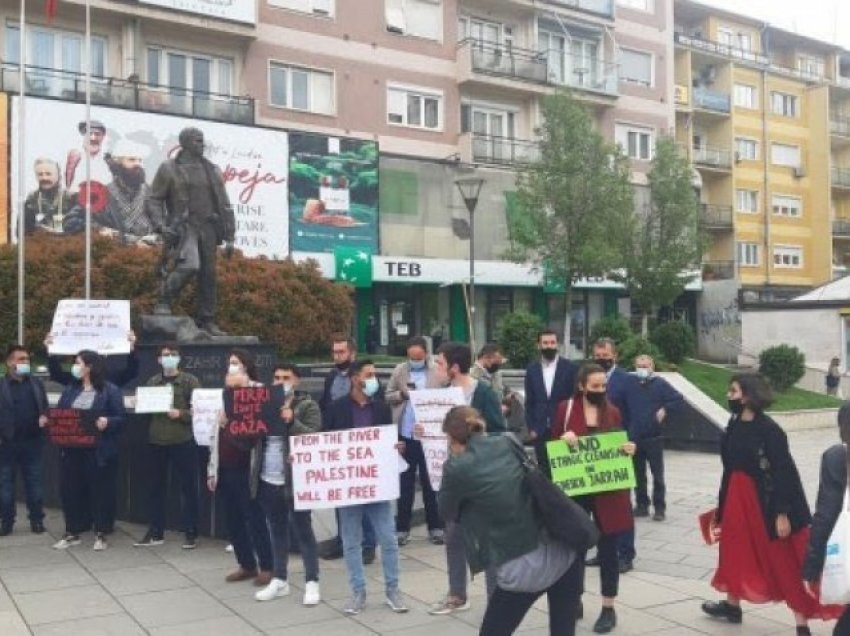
point(188, 196)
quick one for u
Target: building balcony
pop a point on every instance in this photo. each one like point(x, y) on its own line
point(495, 150)
point(598, 7)
point(839, 124)
point(69, 86)
point(712, 100)
point(841, 228)
point(719, 49)
point(716, 217)
point(712, 158)
point(841, 178)
point(511, 63)
point(718, 270)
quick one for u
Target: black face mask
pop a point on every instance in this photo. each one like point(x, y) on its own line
point(597, 398)
point(605, 363)
point(493, 368)
point(735, 406)
point(549, 354)
point(343, 366)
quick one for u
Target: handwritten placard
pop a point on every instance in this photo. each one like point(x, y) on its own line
point(207, 405)
point(430, 407)
point(249, 412)
point(436, 453)
point(71, 428)
point(344, 468)
point(99, 325)
point(597, 463)
point(154, 399)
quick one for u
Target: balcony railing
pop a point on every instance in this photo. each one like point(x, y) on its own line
point(839, 124)
point(718, 48)
point(712, 100)
point(841, 227)
point(507, 61)
point(718, 270)
point(107, 91)
point(841, 177)
point(503, 150)
point(712, 157)
point(599, 7)
point(565, 69)
point(716, 217)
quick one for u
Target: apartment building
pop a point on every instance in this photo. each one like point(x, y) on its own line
point(761, 112)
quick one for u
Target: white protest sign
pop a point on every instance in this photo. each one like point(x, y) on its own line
point(345, 468)
point(99, 325)
point(429, 410)
point(154, 399)
point(207, 404)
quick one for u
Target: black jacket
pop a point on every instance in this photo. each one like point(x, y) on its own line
point(540, 409)
point(833, 482)
point(7, 412)
point(339, 416)
point(325, 401)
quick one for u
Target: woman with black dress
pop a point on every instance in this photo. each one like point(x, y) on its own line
point(762, 518)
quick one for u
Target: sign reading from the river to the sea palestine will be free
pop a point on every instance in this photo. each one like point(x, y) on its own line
point(596, 464)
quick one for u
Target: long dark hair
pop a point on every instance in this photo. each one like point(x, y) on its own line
point(756, 389)
point(247, 360)
point(588, 369)
point(97, 367)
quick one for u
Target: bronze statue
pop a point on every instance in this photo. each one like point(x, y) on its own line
point(188, 197)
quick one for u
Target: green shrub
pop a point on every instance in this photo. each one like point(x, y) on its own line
point(636, 346)
point(519, 338)
point(783, 366)
point(615, 327)
point(676, 341)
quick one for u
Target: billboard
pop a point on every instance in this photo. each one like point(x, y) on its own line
point(253, 161)
point(235, 10)
point(333, 193)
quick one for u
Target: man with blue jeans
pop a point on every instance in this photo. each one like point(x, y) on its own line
point(23, 413)
point(362, 408)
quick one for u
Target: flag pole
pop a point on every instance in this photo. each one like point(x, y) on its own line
point(88, 155)
point(19, 142)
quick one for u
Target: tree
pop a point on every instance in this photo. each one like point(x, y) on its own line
point(576, 201)
point(666, 242)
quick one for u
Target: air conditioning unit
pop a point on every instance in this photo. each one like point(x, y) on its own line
point(799, 172)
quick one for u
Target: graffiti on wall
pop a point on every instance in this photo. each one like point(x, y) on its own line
point(720, 330)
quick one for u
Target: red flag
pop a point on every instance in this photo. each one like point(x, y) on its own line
point(50, 7)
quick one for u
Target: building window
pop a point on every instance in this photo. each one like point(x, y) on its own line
point(787, 206)
point(735, 39)
point(810, 66)
point(747, 201)
point(414, 108)
point(748, 254)
point(788, 257)
point(54, 49)
point(783, 104)
point(188, 71)
point(487, 34)
point(301, 88)
point(638, 5)
point(785, 155)
point(314, 7)
point(420, 18)
point(635, 67)
point(634, 141)
point(746, 149)
point(746, 96)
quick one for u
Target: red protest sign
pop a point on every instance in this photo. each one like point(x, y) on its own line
point(71, 428)
point(249, 412)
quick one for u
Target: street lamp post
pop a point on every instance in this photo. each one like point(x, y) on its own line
point(470, 189)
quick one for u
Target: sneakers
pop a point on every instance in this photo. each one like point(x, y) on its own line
point(659, 515)
point(640, 511)
point(606, 622)
point(395, 602)
point(37, 527)
point(150, 539)
point(190, 542)
point(68, 541)
point(437, 536)
point(263, 578)
point(240, 575)
point(723, 609)
point(276, 588)
point(403, 538)
point(99, 543)
point(312, 595)
point(229, 548)
point(626, 566)
point(357, 604)
point(449, 605)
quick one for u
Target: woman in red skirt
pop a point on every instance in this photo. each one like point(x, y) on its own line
point(762, 518)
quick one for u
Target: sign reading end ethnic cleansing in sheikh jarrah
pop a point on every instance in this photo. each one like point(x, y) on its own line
point(596, 464)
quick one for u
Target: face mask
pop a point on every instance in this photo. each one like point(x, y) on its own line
point(77, 371)
point(493, 368)
point(643, 374)
point(342, 366)
point(371, 387)
point(735, 406)
point(22, 368)
point(287, 388)
point(605, 363)
point(234, 369)
point(549, 354)
point(597, 398)
point(417, 365)
point(169, 363)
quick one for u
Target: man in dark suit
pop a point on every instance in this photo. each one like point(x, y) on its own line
point(548, 381)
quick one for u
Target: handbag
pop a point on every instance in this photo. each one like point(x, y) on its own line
point(835, 583)
point(563, 518)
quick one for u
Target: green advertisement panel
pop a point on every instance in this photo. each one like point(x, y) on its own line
point(596, 464)
point(333, 193)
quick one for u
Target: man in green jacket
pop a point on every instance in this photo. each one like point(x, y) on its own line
point(170, 440)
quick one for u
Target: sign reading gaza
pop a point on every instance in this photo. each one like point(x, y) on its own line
point(71, 428)
point(596, 464)
point(249, 411)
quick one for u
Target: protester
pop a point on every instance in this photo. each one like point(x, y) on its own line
point(483, 487)
point(337, 385)
point(228, 472)
point(89, 475)
point(590, 412)
point(23, 415)
point(271, 484)
point(453, 364)
point(416, 373)
point(762, 513)
point(831, 490)
point(624, 392)
point(833, 377)
point(361, 408)
point(548, 381)
point(171, 444)
point(488, 369)
point(657, 400)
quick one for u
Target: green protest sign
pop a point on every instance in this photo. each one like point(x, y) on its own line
point(596, 464)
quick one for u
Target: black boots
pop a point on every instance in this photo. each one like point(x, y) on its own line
point(723, 609)
point(606, 622)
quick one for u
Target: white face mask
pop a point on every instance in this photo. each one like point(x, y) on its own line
point(234, 369)
point(643, 373)
point(371, 387)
